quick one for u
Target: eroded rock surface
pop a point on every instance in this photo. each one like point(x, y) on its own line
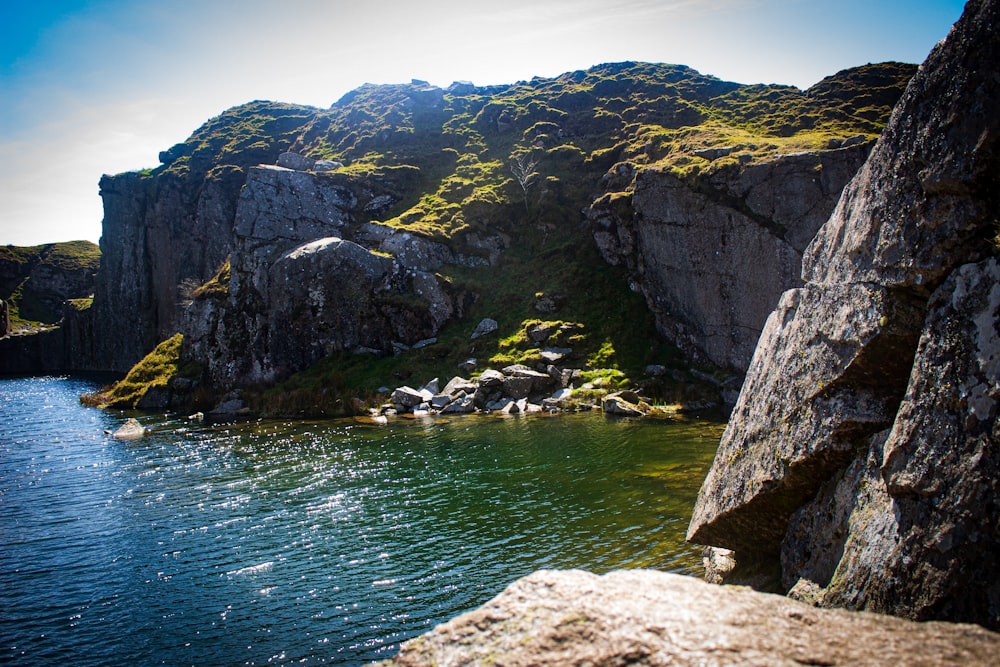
point(863, 451)
point(299, 292)
point(712, 253)
point(644, 617)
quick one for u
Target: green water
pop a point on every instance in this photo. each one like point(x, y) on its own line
point(310, 542)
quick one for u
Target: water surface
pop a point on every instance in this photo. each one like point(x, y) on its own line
point(309, 542)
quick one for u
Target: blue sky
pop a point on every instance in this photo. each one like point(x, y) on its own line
point(89, 87)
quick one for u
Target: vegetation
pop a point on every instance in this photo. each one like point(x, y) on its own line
point(24, 280)
point(520, 162)
point(156, 370)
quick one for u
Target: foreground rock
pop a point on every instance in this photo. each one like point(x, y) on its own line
point(653, 618)
point(861, 465)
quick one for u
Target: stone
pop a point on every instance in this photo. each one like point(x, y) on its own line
point(517, 386)
point(485, 327)
point(652, 618)
point(860, 464)
point(327, 165)
point(130, 430)
point(491, 379)
point(296, 162)
point(458, 384)
point(407, 397)
point(616, 404)
point(554, 355)
point(468, 365)
point(462, 405)
point(538, 333)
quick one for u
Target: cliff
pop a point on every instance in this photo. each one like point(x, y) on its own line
point(422, 211)
point(45, 297)
point(860, 467)
point(167, 231)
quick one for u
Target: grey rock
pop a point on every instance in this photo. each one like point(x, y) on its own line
point(327, 165)
point(295, 161)
point(485, 327)
point(864, 471)
point(491, 379)
point(130, 430)
point(462, 405)
point(554, 355)
point(457, 384)
point(408, 397)
point(712, 256)
point(651, 618)
point(617, 404)
point(517, 386)
point(439, 401)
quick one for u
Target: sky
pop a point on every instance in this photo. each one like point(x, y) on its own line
point(89, 87)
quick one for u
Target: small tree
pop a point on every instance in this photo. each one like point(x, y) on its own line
point(522, 166)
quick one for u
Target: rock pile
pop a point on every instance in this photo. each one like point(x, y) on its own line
point(514, 389)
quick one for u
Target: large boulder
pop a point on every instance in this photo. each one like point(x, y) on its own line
point(645, 617)
point(860, 464)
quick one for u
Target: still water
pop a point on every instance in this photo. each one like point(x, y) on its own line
point(324, 542)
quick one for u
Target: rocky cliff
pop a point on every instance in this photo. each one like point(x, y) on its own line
point(408, 213)
point(167, 231)
point(299, 292)
point(712, 251)
point(860, 465)
point(45, 299)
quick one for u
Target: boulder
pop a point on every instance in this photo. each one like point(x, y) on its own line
point(646, 617)
point(617, 404)
point(485, 327)
point(130, 430)
point(295, 161)
point(517, 386)
point(327, 165)
point(860, 464)
point(458, 384)
point(408, 397)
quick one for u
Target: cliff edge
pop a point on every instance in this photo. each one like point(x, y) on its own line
point(860, 467)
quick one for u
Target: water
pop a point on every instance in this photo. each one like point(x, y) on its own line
point(309, 542)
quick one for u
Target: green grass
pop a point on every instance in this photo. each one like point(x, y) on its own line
point(156, 369)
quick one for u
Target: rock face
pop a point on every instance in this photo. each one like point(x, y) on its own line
point(712, 253)
point(169, 231)
point(299, 292)
point(861, 462)
point(653, 618)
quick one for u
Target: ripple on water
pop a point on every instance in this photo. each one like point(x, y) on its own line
point(309, 542)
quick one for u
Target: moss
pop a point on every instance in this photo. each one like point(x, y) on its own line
point(156, 369)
